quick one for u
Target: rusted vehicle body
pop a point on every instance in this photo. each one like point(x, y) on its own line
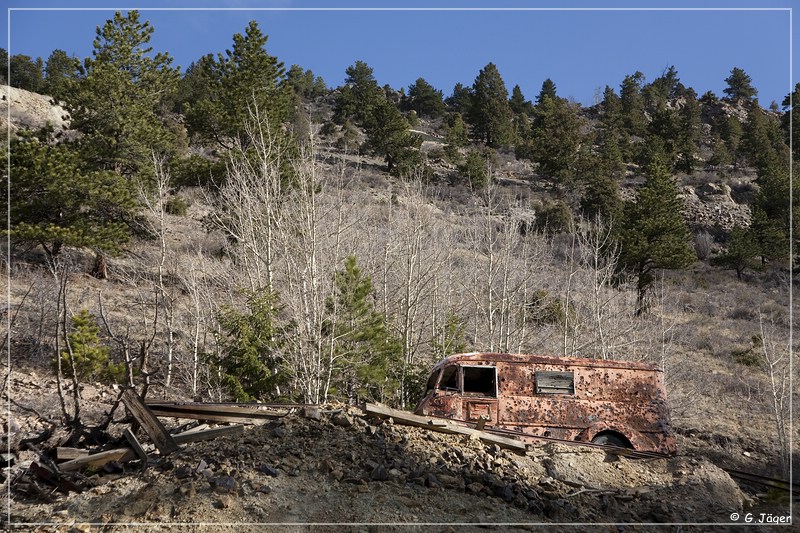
point(616, 403)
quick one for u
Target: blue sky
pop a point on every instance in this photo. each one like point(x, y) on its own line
point(582, 50)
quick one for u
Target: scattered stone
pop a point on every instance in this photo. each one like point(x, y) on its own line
point(342, 420)
point(223, 484)
point(379, 473)
point(183, 472)
point(223, 502)
point(268, 470)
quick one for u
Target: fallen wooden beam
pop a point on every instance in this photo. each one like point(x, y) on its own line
point(206, 434)
point(99, 459)
point(152, 426)
point(67, 454)
point(231, 413)
point(136, 446)
point(442, 426)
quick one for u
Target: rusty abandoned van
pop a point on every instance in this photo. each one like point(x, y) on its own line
point(608, 402)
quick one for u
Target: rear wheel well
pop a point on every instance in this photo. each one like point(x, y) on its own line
point(612, 438)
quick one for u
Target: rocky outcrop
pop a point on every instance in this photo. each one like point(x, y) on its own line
point(29, 110)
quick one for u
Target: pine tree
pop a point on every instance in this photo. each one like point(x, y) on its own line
point(425, 100)
point(548, 90)
point(244, 80)
point(689, 123)
point(739, 86)
point(86, 356)
point(56, 201)
point(358, 96)
point(461, 100)
point(490, 115)
point(251, 344)
point(652, 232)
point(60, 71)
point(26, 73)
point(368, 357)
point(791, 120)
point(388, 135)
point(117, 103)
point(519, 105)
point(632, 104)
point(555, 137)
point(741, 253)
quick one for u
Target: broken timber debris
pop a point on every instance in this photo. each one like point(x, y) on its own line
point(221, 412)
point(152, 425)
point(442, 426)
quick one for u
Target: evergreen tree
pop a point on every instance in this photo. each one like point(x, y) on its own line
point(116, 104)
point(664, 88)
point(600, 190)
point(475, 169)
point(425, 100)
point(367, 356)
point(739, 86)
point(250, 359)
point(652, 232)
point(461, 100)
point(244, 80)
point(548, 90)
point(555, 137)
point(614, 139)
point(4, 66)
point(388, 135)
point(56, 201)
point(791, 120)
point(762, 141)
point(772, 212)
point(86, 356)
point(741, 253)
point(632, 104)
point(304, 84)
point(490, 115)
point(60, 71)
point(358, 96)
point(688, 132)
point(519, 105)
point(26, 73)
point(731, 133)
point(196, 85)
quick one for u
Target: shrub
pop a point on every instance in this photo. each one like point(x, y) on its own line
point(89, 356)
point(176, 206)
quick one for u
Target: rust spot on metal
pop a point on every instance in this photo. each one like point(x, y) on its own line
point(568, 398)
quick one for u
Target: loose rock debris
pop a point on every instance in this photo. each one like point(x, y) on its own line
point(338, 464)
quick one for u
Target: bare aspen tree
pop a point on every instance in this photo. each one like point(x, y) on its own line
point(775, 362)
point(248, 202)
point(155, 205)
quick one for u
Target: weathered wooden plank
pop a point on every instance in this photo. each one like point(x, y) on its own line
point(410, 419)
point(67, 454)
point(152, 425)
point(199, 411)
point(196, 436)
point(137, 447)
point(211, 417)
point(99, 459)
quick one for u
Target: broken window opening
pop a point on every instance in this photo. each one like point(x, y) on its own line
point(449, 379)
point(432, 381)
point(555, 382)
point(480, 380)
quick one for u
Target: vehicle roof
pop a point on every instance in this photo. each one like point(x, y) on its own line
point(478, 357)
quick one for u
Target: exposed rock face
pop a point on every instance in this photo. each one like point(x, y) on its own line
point(711, 206)
point(30, 110)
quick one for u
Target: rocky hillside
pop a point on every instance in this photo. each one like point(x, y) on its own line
point(337, 466)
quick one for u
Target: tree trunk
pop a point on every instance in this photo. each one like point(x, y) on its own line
point(100, 269)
